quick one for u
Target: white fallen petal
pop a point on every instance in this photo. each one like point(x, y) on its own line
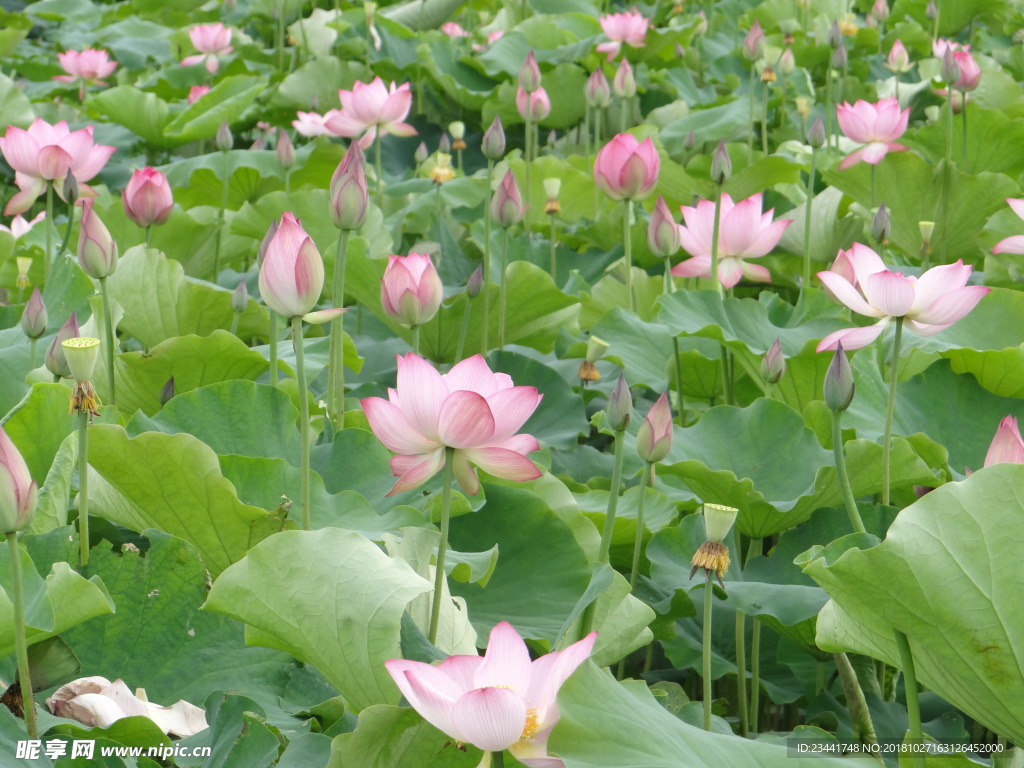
point(90, 709)
point(76, 688)
point(125, 699)
point(180, 719)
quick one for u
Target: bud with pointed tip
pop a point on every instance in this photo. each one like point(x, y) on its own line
point(55, 362)
point(840, 58)
point(718, 521)
point(18, 491)
point(654, 438)
point(475, 282)
point(493, 143)
point(167, 391)
point(690, 141)
point(881, 225)
point(411, 290)
point(445, 144)
point(240, 298)
point(97, 251)
point(880, 10)
point(529, 74)
point(662, 232)
point(773, 365)
point(70, 189)
point(898, 59)
point(421, 153)
point(816, 134)
point(147, 198)
point(624, 84)
point(507, 204)
point(597, 91)
point(950, 70)
point(839, 382)
point(721, 164)
point(620, 405)
point(82, 353)
point(533, 107)
point(224, 140)
point(931, 11)
point(702, 24)
point(265, 243)
point(753, 43)
point(33, 319)
point(787, 62)
point(835, 35)
point(350, 198)
point(292, 273)
point(285, 151)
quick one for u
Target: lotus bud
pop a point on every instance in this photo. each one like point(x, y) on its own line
point(931, 11)
point(56, 363)
point(597, 91)
point(167, 390)
point(620, 405)
point(475, 282)
point(147, 198)
point(718, 521)
point(349, 195)
point(33, 319)
point(950, 70)
point(529, 74)
point(702, 24)
point(70, 189)
point(224, 140)
point(411, 290)
point(421, 153)
point(81, 353)
point(898, 59)
point(624, 84)
point(662, 232)
point(264, 244)
point(753, 43)
point(285, 151)
point(721, 164)
point(840, 58)
point(507, 204)
point(552, 138)
point(787, 62)
point(654, 438)
point(835, 35)
point(880, 225)
point(97, 251)
point(880, 11)
point(816, 134)
point(690, 141)
point(445, 144)
point(292, 272)
point(839, 382)
point(18, 491)
point(533, 107)
point(773, 365)
point(493, 143)
point(240, 298)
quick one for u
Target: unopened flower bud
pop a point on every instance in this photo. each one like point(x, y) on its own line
point(768, 74)
point(620, 405)
point(18, 491)
point(240, 298)
point(718, 521)
point(950, 70)
point(690, 141)
point(702, 24)
point(271, 231)
point(816, 134)
point(552, 186)
point(787, 62)
point(224, 140)
point(597, 91)
point(167, 391)
point(55, 361)
point(445, 144)
point(880, 225)
point(840, 58)
point(285, 151)
point(493, 143)
point(70, 189)
point(654, 438)
point(624, 84)
point(773, 365)
point(33, 319)
point(475, 282)
point(839, 382)
point(835, 35)
point(662, 232)
point(349, 194)
point(529, 74)
point(931, 11)
point(507, 204)
point(753, 43)
point(97, 251)
point(721, 164)
point(81, 354)
point(880, 10)
point(421, 153)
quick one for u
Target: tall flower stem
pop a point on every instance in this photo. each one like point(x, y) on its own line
point(910, 685)
point(873, 169)
point(753, 549)
point(741, 670)
point(638, 543)
point(856, 704)
point(764, 120)
point(586, 134)
point(220, 221)
point(890, 410)
point(715, 229)
point(149, 231)
point(32, 354)
point(49, 231)
point(844, 478)
point(828, 106)
point(627, 244)
point(497, 759)
point(680, 399)
point(963, 138)
point(463, 330)
point(83, 487)
point(415, 339)
point(279, 38)
point(108, 337)
point(336, 377)
point(750, 133)
point(273, 347)
point(706, 666)
point(20, 643)
point(300, 375)
point(442, 547)
point(942, 217)
point(528, 157)
point(380, 171)
point(234, 323)
point(554, 256)
point(486, 293)
point(502, 291)
point(67, 231)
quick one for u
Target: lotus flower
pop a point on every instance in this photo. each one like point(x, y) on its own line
point(196, 92)
point(17, 488)
point(147, 198)
point(654, 438)
point(498, 701)
point(627, 169)
point(470, 408)
point(898, 59)
point(1007, 447)
point(46, 153)
point(969, 73)
point(312, 124)
point(212, 41)
point(533, 107)
point(1014, 243)
point(20, 226)
point(371, 109)
point(292, 273)
point(929, 304)
point(454, 29)
point(877, 126)
point(743, 233)
point(629, 28)
point(89, 66)
point(941, 45)
point(411, 290)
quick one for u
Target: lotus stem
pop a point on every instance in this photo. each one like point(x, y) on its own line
point(486, 292)
point(891, 409)
point(288, 182)
point(873, 169)
point(300, 376)
point(49, 231)
point(67, 231)
point(841, 474)
point(502, 291)
point(754, 548)
point(828, 106)
point(380, 172)
point(273, 346)
point(716, 227)
point(764, 120)
point(234, 323)
point(947, 182)
point(220, 220)
point(706, 666)
point(860, 716)
point(910, 685)
point(442, 547)
point(415, 339)
point(83, 487)
point(586, 134)
point(149, 231)
point(680, 400)
point(554, 256)
point(497, 759)
point(279, 39)
point(108, 336)
point(741, 670)
point(638, 543)
point(463, 330)
point(750, 133)
point(528, 156)
point(32, 354)
point(806, 282)
point(20, 642)
point(336, 375)
point(963, 138)
point(627, 244)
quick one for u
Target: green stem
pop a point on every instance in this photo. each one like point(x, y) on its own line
point(598, 117)
point(380, 172)
point(844, 478)
point(528, 156)
point(963, 138)
point(755, 674)
point(49, 231)
point(680, 400)
point(149, 231)
point(627, 244)
point(463, 330)
point(416, 340)
point(485, 324)
point(806, 283)
point(497, 759)
point(300, 375)
point(67, 231)
point(638, 542)
point(20, 643)
point(828, 105)
point(750, 133)
point(910, 686)
point(706, 667)
point(501, 291)
point(279, 40)
point(32, 354)
point(613, 500)
point(716, 227)
point(442, 547)
point(947, 182)
point(554, 257)
point(669, 286)
point(860, 716)
point(336, 375)
point(819, 681)
point(108, 336)
point(586, 135)
point(288, 183)
point(220, 220)
point(623, 109)
point(83, 487)
point(764, 120)
point(741, 670)
point(234, 323)
point(890, 410)
point(273, 346)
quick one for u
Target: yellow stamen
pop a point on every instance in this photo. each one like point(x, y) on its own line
point(712, 556)
point(531, 728)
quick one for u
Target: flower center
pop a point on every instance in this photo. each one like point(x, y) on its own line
point(531, 727)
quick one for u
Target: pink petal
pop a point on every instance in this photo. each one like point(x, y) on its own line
point(399, 129)
point(461, 670)
point(465, 420)
point(54, 162)
point(423, 392)
point(847, 294)
point(767, 238)
point(1007, 446)
point(474, 375)
point(414, 471)
point(490, 718)
point(502, 462)
point(952, 306)
point(937, 281)
point(851, 159)
point(853, 338)
point(730, 271)
point(874, 152)
point(853, 122)
point(428, 690)
point(191, 61)
point(756, 272)
point(1017, 204)
point(890, 292)
point(864, 261)
point(1012, 244)
point(550, 672)
point(698, 266)
point(392, 428)
point(511, 408)
point(506, 661)
point(465, 475)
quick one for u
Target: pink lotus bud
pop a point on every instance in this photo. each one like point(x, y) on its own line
point(97, 251)
point(620, 405)
point(224, 140)
point(880, 10)
point(840, 58)
point(835, 35)
point(597, 91)
point(292, 273)
point(627, 169)
point(880, 224)
point(475, 282)
point(411, 290)
point(55, 362)
point(33, 319)
point(950, 70)
point(349, 194)
point(1006, 447)
point(816, 134)
point(18, 490)
point(654, 438)
point(931, 11)
point(70, 189)
point(265, 243)
point(507, 204)
point(285, 151)
point(529, 74)
point(690, 141)
point(787, 62)
point(773, 366)
point(970, 73)
point(839, 382)
point(421, 153)
point(240, 298)
point(753, 43)
point(721, 164)
point(493, 143)
point(533, 107)
point(898, 59)
point(624, 84)
point(445, 143)
point(147, 199)
point(662, 232)
point(702, 24)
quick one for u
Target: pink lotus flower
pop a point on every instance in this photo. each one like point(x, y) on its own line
point(875, 125)
point(898, 59)
point(411, 290)
point(743, 233)
point(470, 408)
point(533, 106)
point(46, 153)
point(292, 273)
point(453, 29)
point(212, 41)
point(654, 438)
point(629, 28)
point(928, 304)
point(498, 701)
point(90, 66)
point(492, 38)
point(371, 109)
point(970, 72)
point(626, 169)
point(312, 124)
point(196, 92)
point(1014, 243)
point(1007, 447)
point(17, 488)
point(941, 45)
point(147, 198)
point(20, 227)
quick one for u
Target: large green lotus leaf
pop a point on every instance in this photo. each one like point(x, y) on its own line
point(226, 102)
point(659, 511)
point(143, 113)
point(38, 425)
point(993, 139)
point(238, 734)
point(172, 483)
point(331, 598)
point(52, 506)
point(829, 232)
point(560, 417)
point(317, 82)
point(158, 630)
point(16, 107)
point(13, 731)
point(947, 576)
point(621, 725)
point(193, 362)
point(159, 302)
point(396, 737)
point(463, 84)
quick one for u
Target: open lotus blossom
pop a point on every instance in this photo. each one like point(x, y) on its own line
point(626, 168)
point(941, 45)
point(929, 304)
point(411, 290)
point(46, 153)
point(629, 28)
point(212, 41)
point(20, 226)
point(471, 409)
point(1014, 243)
point(312, 124)
point(1007, 447)
point(454, 29)
point(497, 701)
point(743, 233)
point(876, 126)
point(370, 109)
point(89, 66)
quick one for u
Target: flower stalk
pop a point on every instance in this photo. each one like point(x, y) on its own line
point(741, 671)
point(910, 685)
point(842, 475)
point(805, 284)
point(108, 338)
point(273, 346)
point(706, 655)
point(49, 231)
point(627, 244)
point(442, 547)
point(891, 409)
point(336, 380)
point(300, 375)
point(486, 322)
point(502, 290)
point(20, 642)
point(860, 716)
